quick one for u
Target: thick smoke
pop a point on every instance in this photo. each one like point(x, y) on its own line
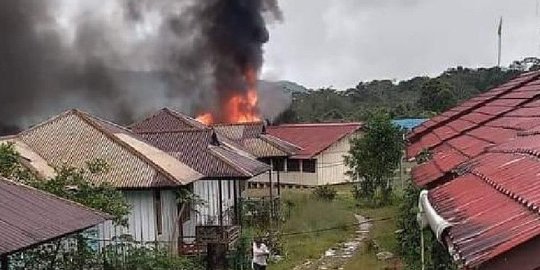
point(124, 58)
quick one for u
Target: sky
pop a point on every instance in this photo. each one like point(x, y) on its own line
point(338, 43)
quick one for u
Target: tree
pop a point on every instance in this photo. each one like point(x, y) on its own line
point(374, 158)
point(69, 183)
point(437, 96)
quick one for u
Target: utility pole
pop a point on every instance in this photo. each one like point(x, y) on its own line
point(499, 33)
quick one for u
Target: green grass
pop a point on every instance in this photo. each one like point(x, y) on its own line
point(383, 232)
point(309, 214)
point(364, 260)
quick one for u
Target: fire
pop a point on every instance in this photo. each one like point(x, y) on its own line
point(206, 118)
point(239, 108)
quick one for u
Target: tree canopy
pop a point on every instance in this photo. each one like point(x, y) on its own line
point(416, 97)
point(375, 156)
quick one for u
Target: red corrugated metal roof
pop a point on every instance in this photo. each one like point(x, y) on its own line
point(512, 109)
point(490, 96)
point(493, 207)
point(313, 138)
point(486, 222)
point(29, 217)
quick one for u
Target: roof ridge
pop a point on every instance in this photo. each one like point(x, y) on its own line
point(47, 121)
point(319, 124)
point(534, 77)
point(89, 119)
point(185, 118)
point(171, 131)
point(239, 124)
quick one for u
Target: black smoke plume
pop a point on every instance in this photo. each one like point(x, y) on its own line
point(185, 54)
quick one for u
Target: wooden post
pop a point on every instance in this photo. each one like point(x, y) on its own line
point(236, 208)
point(279, 180)
point(220, 199)
point(271, 193)
point(5, 262)
point(270, 179)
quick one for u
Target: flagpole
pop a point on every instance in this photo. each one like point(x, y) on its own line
point(500, 43)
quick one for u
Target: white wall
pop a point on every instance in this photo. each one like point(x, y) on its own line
point(331, 166)
point(208, 190)
point(142, 225)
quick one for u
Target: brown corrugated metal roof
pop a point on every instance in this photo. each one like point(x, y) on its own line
point(29, 217)
point(75, 138)
point(167, 120)
point(194, 147)
point(253, 139)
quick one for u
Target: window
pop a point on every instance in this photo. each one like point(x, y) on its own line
point(293, 165)
point(265, 160)
point(309, 165)
point(279, 164)
point(157, 210)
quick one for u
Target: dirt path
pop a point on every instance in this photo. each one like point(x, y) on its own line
point(337, 256)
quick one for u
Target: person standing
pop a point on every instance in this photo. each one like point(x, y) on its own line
point(260, 254)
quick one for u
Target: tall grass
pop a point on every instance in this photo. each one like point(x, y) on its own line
point(308, 213)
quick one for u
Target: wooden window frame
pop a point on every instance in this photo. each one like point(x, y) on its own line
point(296, 168)
point(309, 169)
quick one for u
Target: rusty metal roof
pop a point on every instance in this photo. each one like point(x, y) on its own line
point(485, 222)
point(29, 217)
point(75, 138)
point(252, 137)
point(494, 206)
point(196, 145)
point(198, 149)
point(313, 138)
point(167, 120)
point(469, 129)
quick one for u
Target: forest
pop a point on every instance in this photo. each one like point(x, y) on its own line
point(419, 97)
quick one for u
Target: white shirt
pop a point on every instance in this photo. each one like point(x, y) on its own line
point(260, 254)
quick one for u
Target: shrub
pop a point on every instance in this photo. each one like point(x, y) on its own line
point(325, 192)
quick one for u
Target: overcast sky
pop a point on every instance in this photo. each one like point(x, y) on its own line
point(338, 43)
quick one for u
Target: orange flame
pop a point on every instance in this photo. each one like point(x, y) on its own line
point(239, 108)
point(206, 118)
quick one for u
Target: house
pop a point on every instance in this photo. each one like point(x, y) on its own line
point(223, 168)
point(481, 176)
point(30, 217)
point(253, 139)
point(321, 158)
point(148, 177)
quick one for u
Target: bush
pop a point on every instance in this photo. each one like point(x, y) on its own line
point(325, 192)
point(436, 256)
